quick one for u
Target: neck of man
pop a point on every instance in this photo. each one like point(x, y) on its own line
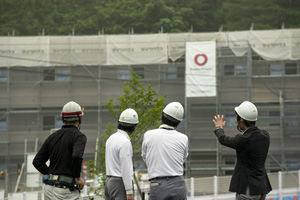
point(74, 124)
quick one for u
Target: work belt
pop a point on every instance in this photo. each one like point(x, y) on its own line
point(163, 177)
point(61, 181)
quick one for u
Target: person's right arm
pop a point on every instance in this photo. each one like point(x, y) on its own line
point(77, 154)
point(80, 182)
point(232, 142)
point(40, 159)
point(129, 197)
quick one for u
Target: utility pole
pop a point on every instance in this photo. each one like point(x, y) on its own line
point(249, 63)
point(281, 101)
point(6, 184)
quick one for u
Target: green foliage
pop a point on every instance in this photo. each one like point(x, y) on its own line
point(145, 102)
point(120, 16)
point(98, 167)
point(268, 14)
point(175, 16)
point(88, 17)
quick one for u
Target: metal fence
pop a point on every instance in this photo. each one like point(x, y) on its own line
point(286, 185)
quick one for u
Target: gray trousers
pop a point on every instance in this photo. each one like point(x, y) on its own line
point(247, 196)
point(168, 189)
point(55, 193)
point(114, 189)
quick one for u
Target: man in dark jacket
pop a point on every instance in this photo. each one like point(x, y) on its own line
point(64, 148)
point(249, 179)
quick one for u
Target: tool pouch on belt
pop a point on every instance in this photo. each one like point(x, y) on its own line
point(62, 180)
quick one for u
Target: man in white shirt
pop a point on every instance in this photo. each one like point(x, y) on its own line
point(118, 159)
point(165, 150)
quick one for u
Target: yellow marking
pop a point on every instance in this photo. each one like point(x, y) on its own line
point(154, 184)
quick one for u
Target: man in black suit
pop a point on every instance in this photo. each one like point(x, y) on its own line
point(249, 179)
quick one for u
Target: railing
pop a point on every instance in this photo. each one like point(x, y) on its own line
point(286, 186)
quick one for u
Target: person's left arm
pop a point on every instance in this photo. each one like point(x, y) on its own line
point(77, 157)
point(127, 166)
point(186, 151)
point(77, 154)
point(144, 149)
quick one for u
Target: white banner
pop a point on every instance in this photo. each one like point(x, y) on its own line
point(238, 42)
point(24, 51)
point(137, 49)
point(82, 50)
point(177, 41)
point(200, 68)
point(295, 40)
point(271, 45)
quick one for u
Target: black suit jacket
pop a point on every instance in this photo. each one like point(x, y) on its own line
point(251, 149)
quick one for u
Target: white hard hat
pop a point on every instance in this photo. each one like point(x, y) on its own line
point(72, 109)
point(174, 110)
point(247, 111)
point(129, 116)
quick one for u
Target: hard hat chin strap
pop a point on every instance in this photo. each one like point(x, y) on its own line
point(239, 129)
point(79, 125)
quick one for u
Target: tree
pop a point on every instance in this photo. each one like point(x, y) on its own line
point(60, 17)
point(176, 15)
point(268, 14)
point(149, 108)
point(120, 16)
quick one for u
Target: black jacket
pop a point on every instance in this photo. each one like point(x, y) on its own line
point(65, 149)
point(252, 149)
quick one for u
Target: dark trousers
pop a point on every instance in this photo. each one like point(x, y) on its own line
point(173, 188)
point(114, 189)
point(247, 196)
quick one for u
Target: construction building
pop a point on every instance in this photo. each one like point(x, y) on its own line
point(38, 76)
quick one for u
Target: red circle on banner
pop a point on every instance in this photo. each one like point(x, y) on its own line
point(202, 63)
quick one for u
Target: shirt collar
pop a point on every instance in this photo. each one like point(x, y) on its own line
point(124, 133)
point(251, 128)
point(69, 126)
point(165, 126)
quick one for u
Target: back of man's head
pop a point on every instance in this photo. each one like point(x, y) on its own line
point(128, 120)
point(172, 114)
point(71, 113)
point(248, 112)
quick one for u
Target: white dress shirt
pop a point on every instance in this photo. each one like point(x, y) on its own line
point(118, 157)
point(164, 151)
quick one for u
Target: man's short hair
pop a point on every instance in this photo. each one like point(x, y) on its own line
point(166, 119)
point(68, 120)
point(247, 123)
point(126, 127)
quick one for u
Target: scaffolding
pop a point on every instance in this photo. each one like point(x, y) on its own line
point(31, 99)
